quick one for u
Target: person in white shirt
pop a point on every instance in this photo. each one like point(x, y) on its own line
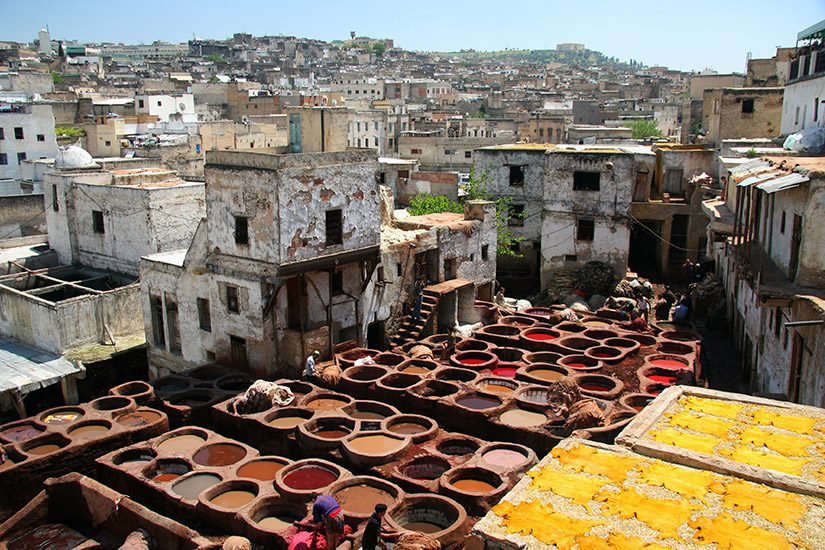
point(310, 365)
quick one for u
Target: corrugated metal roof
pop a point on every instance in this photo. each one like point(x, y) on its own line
point(814, 31)
point(783, 183)
point(26, 368)
point(750, 166)
point(762, 176)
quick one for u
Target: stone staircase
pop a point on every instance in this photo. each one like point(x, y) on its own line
point(410, 330)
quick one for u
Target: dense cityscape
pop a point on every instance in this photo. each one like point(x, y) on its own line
point(281, 292)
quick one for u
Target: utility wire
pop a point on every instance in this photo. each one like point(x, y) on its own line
point(661, 239)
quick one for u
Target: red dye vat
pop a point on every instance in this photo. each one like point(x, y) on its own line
point(505, 372)
point(594, 387)
point(540, 336)
point(602, 355)
point(663, 379)
point(576, 365)
point(472, 361)
point(668, 364)
point(309, 478)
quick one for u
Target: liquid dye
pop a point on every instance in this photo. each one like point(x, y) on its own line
point(220, 454)
point(415, 370)
point(287, 422)
point(90, 430)
point(595, 387)
point(21, 433)
point(194, 485)
point(478, 403)
point(496, 388)
point(180, 444)
point(233, 499)
point(547, 374)
point(367, 415)
point(326, 403)
point(505, 458)
point(276, 523)
point(263, 470)
point(332, 433)
point(473, 486)
point(309, 478)
point(61, 417)
point(361, 499)
point(407, 428)
point(540, 336)
point(422, 527)
point(377, 444)
point(505, 372)
point(43, 449)
point(662, 379)
point(472, 361)
point(577, 365)
point(668, 363)
point(139, 418)
point(522, 419)
point(162, 478)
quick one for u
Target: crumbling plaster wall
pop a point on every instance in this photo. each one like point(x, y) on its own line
point(811, 258)
point(174, 215)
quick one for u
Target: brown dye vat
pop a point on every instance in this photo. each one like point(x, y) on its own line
point(520, 418)
point(546, 373)
point(389, 359)
point(408, 428)
point(399, 380)
point(458, 446)
point(367, 415)
point(478, 402)
point(168, 471)
point(90, 430)
point(331, 433)
point(139, 418)
point(495, 385)
point(21, 432)
point(219, 454)
point(361, 499)
point(277, 523)
point(233, 499)
point(193, 485)
point(263, 470)
point(570, 327)
point(57, 417)
point(370, 410)
point(546, 357)
point(43, 449)
point(141, 392)
point(287, 421)
point(162, 478)
point(287, 418)
point(517, 320)
point(181, 444)
point(471, 344)
point(309, 478)
point(111, 403)
point(422, 527)
point(376, 444)
point(600, 333)
point(365, 373)
point(581, 363)
point(473, 486)
point(508, 355)
point(326, 403)
point(413, 368)
point(577, 343)
point(424, 467)
point(451, 374)
point(435, 389)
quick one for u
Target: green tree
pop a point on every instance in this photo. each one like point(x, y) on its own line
point(68, 131)
point(378, 49)
point(477, 188)
point(57, 78)
point(215, 58)
point(423, 204)
point(643, 128)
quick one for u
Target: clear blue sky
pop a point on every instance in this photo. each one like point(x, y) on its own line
point(683, 35)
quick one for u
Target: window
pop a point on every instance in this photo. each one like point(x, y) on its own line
point(21, 157)
point(232, 304)
point(782, 223)
point(109, 144)
point(399, 269)
point(570, 258)
point(585, 229)
point(55, 205)
point(174, 328)
point(449, 152)
point(376, 124)
point(747, 105)
point(97, 222)
point(210, 355)
point(237, 347)
point(777, 322)
point(241, 230)
point(516, 215)
point(468, 154)
point(816, 103)
point(2, 134)
point(140, 103)
point(158, 332)
point(586, 181)
point(41, 137)
point(358, 126)
point(516, 175)
point(415, 151)
point(204, 315)
point(18, 133)
point(4, 158)
point(449, 269)
point(796, 116)
point(334, 227)
point(337, 283)
point(160, 103)
point(375, 140)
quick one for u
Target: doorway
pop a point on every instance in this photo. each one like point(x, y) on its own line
point(645, 247)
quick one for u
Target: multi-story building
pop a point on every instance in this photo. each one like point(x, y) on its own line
point(26, 132)
point(805, 89)
point(167, 107)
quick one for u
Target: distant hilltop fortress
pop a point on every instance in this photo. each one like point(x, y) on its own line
point(570, 47)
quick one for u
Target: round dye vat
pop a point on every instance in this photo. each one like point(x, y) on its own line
point(422, 527)
point(367, 415)
point(576, 365)
point(184, 443)
point(504, 458)
point(504, 372)
point(233, 499)
point(287, 422)
point(496, 388)
point(519, 418)
point(540, 336)
point(332, 433)
point(595, 387)
point(162, 478)
point(139, 418)
point(263, 470)
point(326, 403)
point(407, 428)
point(361, 499)
point(663, 379)
point(21, 433)
point(478, 402)
point(668, 364)
point(425, 467)
point(377, 444)
point(89, 430)
point(414, 369)
point(44, 449)
point(473, 486)
point(309, 478)
point(549, 375)
point(219, 454)
point(471, 361)
point(597, 323)
point(277, 522)
point(190, 487)
point(61, 417)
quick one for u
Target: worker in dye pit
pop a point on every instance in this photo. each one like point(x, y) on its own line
point(418, 293)
point(643, 305)
point(329, 519)
point(638, 321)
point(374, 537)
point(310, 365)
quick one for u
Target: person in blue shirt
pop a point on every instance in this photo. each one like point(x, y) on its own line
point(329, 519)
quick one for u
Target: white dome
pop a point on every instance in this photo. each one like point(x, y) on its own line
point(73, 156)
